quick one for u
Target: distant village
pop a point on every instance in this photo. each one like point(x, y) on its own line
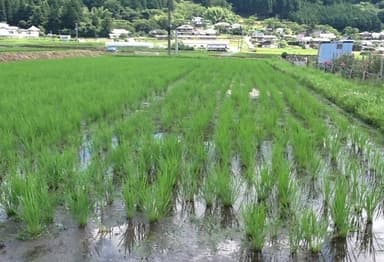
point(197, 34)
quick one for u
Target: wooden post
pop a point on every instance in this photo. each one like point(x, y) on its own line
point(169, 27)
point(381, 67)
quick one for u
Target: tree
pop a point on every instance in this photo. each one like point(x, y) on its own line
point(219, 14)
point(71, 13)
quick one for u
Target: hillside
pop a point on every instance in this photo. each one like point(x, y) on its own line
point(98, 17)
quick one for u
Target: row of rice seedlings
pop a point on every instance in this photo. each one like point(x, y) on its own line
point(223, 134)
point(340, 208)
point(79, 198)
point(27, 197)
point(303, 148)
point(157, 202)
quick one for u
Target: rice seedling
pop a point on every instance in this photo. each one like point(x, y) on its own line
point(326, 191)
point(294, 234)
point(340, 207)
point(264, 183)
point(79, 200)
point(227, 188)
point(11, 190)
point(372, 197)
point(208, 189)
point(158, 198)
point(134, 192)
point(255, 225)
point(189, 182)
point(314, 230)
point(36, 207)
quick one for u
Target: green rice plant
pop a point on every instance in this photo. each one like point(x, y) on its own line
point(134, 192)
point(294, 235)
point(79, 199)
point(255, 225)
point(264, 183)
point(334, 146)
point(284, 186)
point(189, 182)
point(208, 189)
point(249, 173)
point(158, 198)
point(274, 225)
point(246, 142)
point(313, 230)
point(372, 197)
point(340, 207)
point(199, 156)
point(57, 167)
point(326, 190)
point(226, 187)
point(11, 190)
point(36, 207)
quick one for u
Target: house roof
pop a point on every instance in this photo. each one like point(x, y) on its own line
point(33, 28)
point(120, 31)
point(184, 27)
point(224, 24)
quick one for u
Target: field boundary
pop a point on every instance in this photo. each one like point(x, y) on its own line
point(35, 55)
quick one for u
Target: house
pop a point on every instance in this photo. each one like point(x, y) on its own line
point(33, 31)
point(198, 21)
point(366, 35)
point(207, 44)
point(15, 32)
point(185, 30)
point(332, 50)
point(118, 33)
point(65, 37)
point(218, 47)
point(263, 40)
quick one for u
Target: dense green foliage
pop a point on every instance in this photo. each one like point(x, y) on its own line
point(97, 17)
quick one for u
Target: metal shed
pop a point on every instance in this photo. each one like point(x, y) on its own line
point(328, 51)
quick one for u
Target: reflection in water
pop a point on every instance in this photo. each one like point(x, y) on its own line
point(85, 152)
point(187, 208)
point(123, 237)
point(337, 250)
point(134, 233)
point(228, 217)
point(248, 255)
point(365, 240)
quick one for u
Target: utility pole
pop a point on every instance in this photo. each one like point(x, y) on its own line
point(77, 31)
point(169, 26)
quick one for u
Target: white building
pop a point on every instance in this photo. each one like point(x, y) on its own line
point(117, 33)
point(15, 32)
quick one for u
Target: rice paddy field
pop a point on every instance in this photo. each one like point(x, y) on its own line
point(118, 158)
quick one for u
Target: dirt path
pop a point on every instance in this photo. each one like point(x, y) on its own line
point(19, 56)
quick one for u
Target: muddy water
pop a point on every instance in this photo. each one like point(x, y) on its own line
point(190, 235)
point(193, 233)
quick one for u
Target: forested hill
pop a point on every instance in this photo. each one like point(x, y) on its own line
point(97, 17)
